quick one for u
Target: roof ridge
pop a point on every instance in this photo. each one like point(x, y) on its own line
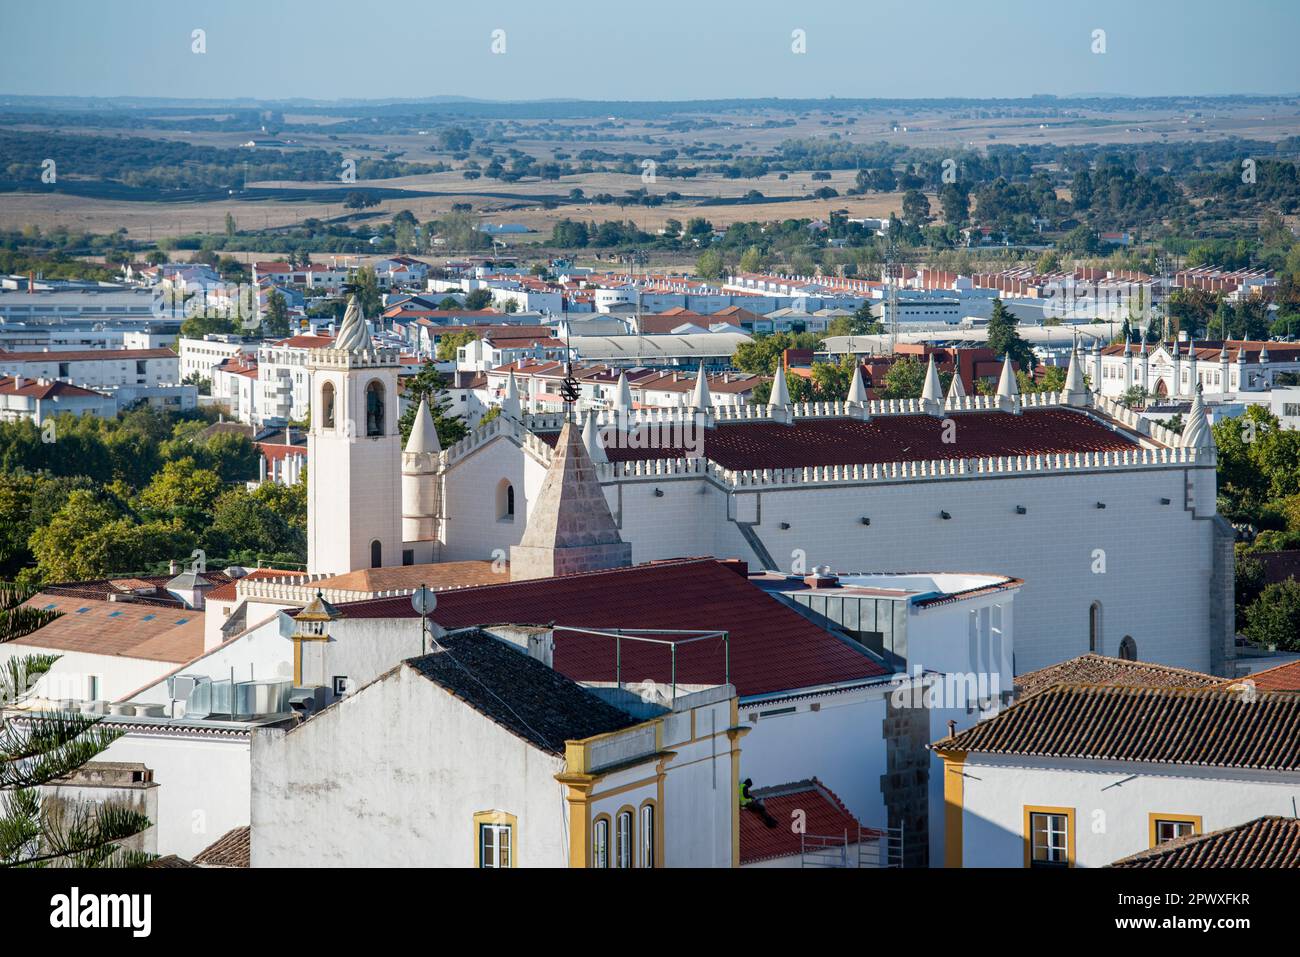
point(1190, 840)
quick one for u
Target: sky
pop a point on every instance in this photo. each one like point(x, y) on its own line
point(660, 50)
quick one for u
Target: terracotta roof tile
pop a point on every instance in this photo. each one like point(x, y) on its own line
point(1212, 727)
point(1093, 669)
point(1264, 842)
point(1282, 678)
point(890, 438)
point(825, 816)
point(772, 647)
point(231, 849)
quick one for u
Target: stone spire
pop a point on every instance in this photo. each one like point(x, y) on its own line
point(420, 490)
point(932, 391)
point(1075, 391)
point(622, 395)
point(570, 528)
point(591, 439)
point(955, 389)
point(1008, 388)
point(510, 406)
point(700, 398)
point(353, 335)
point(424, 436)
point(780, 397)
point(1196, 433)
point(857, 390)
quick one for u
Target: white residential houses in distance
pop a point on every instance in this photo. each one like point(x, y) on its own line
point(1221, 369)
point(37, 400)
point(127, 375)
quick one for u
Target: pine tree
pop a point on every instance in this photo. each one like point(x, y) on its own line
point(1004, 338)
point(35, 749)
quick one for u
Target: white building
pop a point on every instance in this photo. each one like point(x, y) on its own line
point(37, 400)
point(1050, 489)
point(545, 772)
point(1176, 369)
point(1081, 776)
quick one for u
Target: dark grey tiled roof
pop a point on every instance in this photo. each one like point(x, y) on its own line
point(518, 692)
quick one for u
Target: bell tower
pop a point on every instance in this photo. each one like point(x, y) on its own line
point(354, 494)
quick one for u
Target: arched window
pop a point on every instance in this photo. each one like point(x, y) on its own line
point(600, 842)
point(375, 408)
point(505, 501)
point(327, 406)
point(623, 849)
point(1094, 628)
point(648, 834)
point(1128, 648)
point(376, 554)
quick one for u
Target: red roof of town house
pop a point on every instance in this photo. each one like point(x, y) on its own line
point(824, 816)
point(887, 438)
point(89, 355)
point(316, 341)
point(772, 647)
point(1282, 678)
point(42, 389)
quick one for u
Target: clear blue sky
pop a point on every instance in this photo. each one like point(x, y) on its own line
point(647, 49)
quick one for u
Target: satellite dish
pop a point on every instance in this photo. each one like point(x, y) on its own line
point(424, 601)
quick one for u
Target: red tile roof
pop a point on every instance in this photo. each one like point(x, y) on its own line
point(890, 438)
point(1226, 726)
point(36, 389)
point(1264, 842)
point(1092, 669)
point(89, 355)
point(772, 647)
point(1282, 678)
point(824, 816)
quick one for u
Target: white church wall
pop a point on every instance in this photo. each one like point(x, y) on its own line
point(1156, 558)
point(474, 526)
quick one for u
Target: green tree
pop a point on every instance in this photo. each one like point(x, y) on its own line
point(429, 384)
point(1274, 617)
point(709, 265)
point(181, 484)
point(449, 345)
point(752, 260)
point(365, 286)
point(275, 322)
point(36, 831)
point(478, 299)
point(905, 379)
point(1004, 337)
point(916, 208)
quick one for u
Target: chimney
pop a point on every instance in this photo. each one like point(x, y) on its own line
point(952, 728)
point(822, 577)
point(19, 382)
point(173, 567)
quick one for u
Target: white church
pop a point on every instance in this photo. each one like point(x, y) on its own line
point(1109, 519)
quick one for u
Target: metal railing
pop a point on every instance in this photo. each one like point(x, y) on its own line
point(867, 847)
point(641, 635)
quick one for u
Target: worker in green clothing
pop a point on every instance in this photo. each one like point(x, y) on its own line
point(745, 799)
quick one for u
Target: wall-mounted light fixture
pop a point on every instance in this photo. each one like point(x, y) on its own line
point(1101, 504)
point(784, 526)
point(659, 493)
point(1166, 501)
point(865, 520)
point(1021, 510)
point(945, 516)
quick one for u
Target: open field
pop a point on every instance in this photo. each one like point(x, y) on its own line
point(727, 136)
